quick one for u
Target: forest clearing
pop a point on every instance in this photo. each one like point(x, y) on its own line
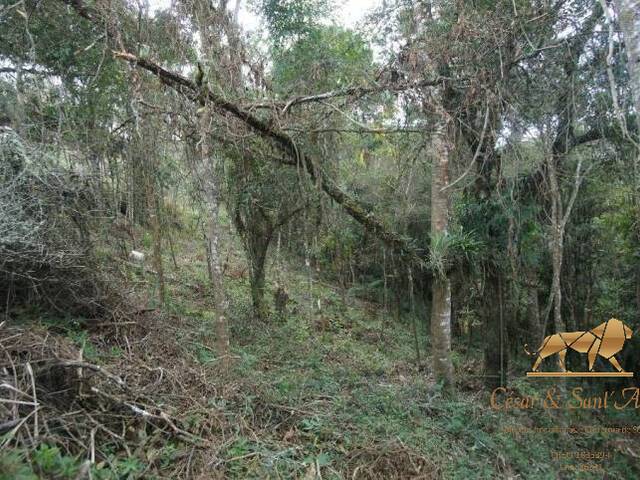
point(310, 239)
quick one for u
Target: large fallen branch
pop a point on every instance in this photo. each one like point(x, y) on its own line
point(285, 143)
point(204, 96)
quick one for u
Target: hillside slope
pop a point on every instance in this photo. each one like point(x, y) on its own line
point(328, 389)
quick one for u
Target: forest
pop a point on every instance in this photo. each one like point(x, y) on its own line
point(315, 239)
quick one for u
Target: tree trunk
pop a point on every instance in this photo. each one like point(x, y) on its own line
point(557, 249)
point(257, 252)
point(204, 16)
point(629, 18)
point(441, 303)
point(533, 310)
point(257, 291)
point(559, 218)
point(215, 272)
point(154, 219)
point(256, 228)
point(495, 354)
point(557, 241)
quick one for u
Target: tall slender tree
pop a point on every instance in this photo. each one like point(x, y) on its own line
point(441, 287)
point(206, 22)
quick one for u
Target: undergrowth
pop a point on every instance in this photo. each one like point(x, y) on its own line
point(329, 388)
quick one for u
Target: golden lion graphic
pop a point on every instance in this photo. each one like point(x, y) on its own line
point(605, 340)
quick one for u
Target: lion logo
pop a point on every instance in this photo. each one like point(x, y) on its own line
point(606, 340)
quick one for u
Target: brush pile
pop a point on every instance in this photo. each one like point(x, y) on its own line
point(47, 253)
point(51, 395)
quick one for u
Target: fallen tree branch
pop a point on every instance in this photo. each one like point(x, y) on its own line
point(184, 435)
point(204, 96)
point(352, 91)
point(285, 143)
point(6, 426)
point(373, 131)
point(96, 368)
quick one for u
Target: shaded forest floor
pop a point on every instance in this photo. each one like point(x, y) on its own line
point(328, 392)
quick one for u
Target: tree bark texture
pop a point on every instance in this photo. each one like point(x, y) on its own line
point(212, 191)
point(441, 303)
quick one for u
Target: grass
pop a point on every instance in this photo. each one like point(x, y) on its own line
point(333, 390)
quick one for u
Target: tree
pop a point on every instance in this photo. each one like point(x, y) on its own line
point(629, 18)
point(481, 81)
point(207, 22)
point(441, 301)
point(261, 203)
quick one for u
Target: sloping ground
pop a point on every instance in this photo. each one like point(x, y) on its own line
point(319, 392)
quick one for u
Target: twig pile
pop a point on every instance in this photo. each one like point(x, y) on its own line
point(49, 393)
point(47, 216)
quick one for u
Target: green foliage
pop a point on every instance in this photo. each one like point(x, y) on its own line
point(50, 461)
point(13, 466)
point(81, 338)
point(487, 220)
point(454, 247)
point(331, 57)
point(332, 375)
point(293, 18)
